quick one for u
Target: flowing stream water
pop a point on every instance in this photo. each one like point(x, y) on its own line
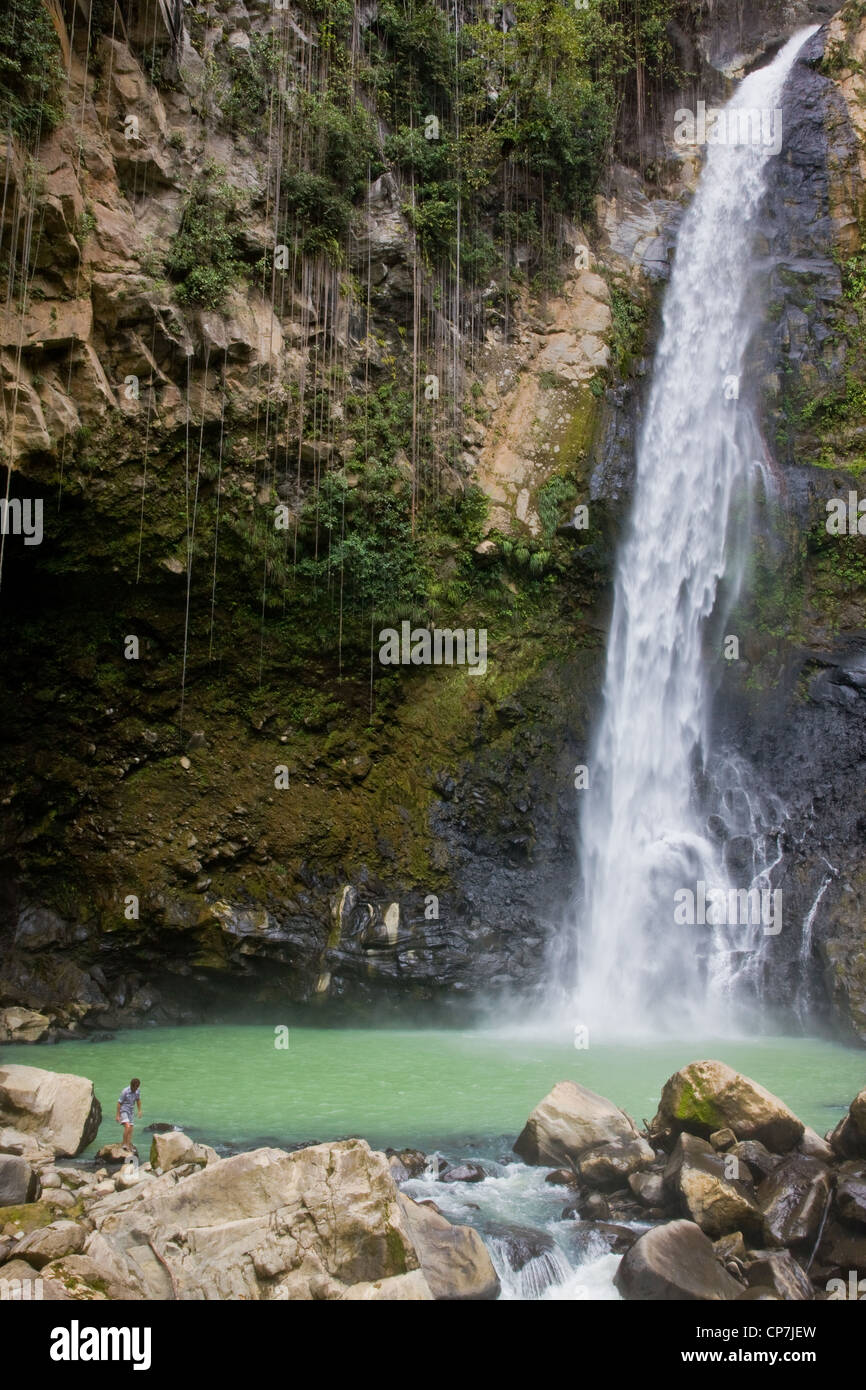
point(644, 835)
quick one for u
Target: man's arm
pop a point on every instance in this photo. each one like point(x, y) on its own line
point(138, 1103)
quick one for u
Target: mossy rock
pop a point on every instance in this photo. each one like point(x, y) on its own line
point(29, 1217)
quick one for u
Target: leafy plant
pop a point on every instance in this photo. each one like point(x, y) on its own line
point(31, 71)
point(205, 255)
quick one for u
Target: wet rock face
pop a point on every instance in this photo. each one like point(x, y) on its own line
point(735, 37)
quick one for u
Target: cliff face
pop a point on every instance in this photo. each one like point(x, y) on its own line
point(265, 427)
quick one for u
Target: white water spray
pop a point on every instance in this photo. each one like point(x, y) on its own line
point(643, 837)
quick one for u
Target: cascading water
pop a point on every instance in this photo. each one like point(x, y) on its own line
point(644, 837)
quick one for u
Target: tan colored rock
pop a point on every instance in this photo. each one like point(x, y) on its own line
point(264, 1225)
point(23, 1025)
point(15, 1141)
point(58, 1108)
point(47, 323)
point(815, 1147)
point(707, 1096)
point(172, 1149)
point(454, 1259)
point(570, 1121)
point(708, 1190)
point(51, 1242)
point(60, 1199)
point(610, 1166)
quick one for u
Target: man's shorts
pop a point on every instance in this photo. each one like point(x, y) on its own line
point(126, 1117)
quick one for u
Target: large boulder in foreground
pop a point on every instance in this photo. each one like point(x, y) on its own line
point(454, 1259)
point(569, 1122)
point(270, 1225)
point(57, 1108)
point(708, 1096)
point(676, 1261)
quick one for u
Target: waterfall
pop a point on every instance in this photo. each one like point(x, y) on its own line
point(644, 834)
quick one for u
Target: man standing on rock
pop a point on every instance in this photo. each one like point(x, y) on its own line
point(129, 1097)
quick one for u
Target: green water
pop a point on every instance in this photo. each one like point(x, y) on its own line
point(456, 1091)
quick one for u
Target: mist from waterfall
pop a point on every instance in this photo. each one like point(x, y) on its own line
point(644, 834)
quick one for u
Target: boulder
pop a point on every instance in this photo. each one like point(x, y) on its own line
point(842, 1248)
point(114, 1155)
point(588, 1234)
point(464, 1172)
point(851, 1192)
point(51, 1243)
point(649, 1188)
point(778, 1270)
point(610, 1166)
point(813, 1146)
point(708, 1096)
point(14, 1141)
point(413, 1160)
point(57, 1108)
point(568, 1122)
point(848, 1139)
point(794, 1200)
point(757, 1158)
point(562, 1177)
point(676, 1261)
point(263, 1225)
point(705, 1188)
point(73, 1177)
point(19, 1183)
point(454, 1259)
point(520, 1245)
point(59, 1199)
point(23, 1025)
point(595, 1207)
point(174, 1149)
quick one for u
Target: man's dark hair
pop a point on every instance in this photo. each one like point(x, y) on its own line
point(135, 1083)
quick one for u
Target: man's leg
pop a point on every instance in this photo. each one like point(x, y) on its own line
point(127, 1134)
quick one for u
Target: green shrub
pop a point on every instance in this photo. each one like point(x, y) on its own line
point(205, 254)
point(31, 71)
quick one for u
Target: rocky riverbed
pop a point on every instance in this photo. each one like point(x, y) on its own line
point(725, 1194)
